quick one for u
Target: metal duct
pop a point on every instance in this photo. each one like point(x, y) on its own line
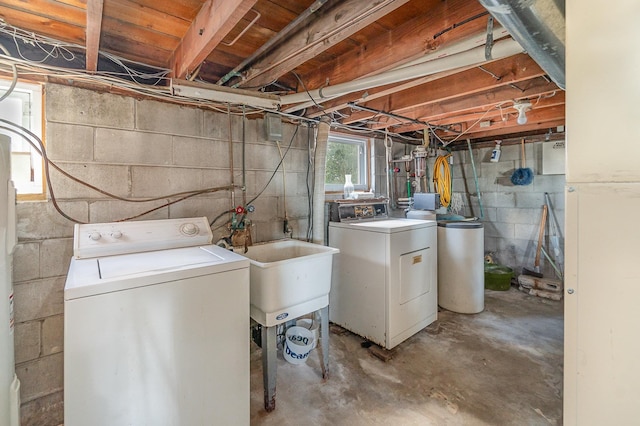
point(538, 25)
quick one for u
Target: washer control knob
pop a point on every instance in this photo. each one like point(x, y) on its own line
point(189, 229)
point(95, 236)
point(116, 234)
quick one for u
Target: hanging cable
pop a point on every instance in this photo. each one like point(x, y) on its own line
point(295, 132)
point(39, 148)
point(14, 80)
point(442, 179)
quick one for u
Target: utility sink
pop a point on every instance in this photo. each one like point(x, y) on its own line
point(289, 278)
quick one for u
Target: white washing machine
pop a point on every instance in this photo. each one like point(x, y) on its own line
point(384, 284)
point(156, 327)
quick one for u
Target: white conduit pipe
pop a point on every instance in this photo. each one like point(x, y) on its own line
point(318, 181)
point(476, 40)
point(461, 46)
point(501, 49)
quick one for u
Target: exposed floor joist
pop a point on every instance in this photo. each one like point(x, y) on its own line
point(457, 106)
point(94, 25)
point(510, 70)
point(457, 110)
point(332, 27)
point(214, 21)
point(409, 41)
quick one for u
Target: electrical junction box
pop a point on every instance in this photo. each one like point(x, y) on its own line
point(553, 158)
point(273, 127)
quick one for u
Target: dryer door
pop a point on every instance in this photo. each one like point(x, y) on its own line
point(414, 274)
point(412, 285)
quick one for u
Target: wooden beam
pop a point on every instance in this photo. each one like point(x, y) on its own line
point(511, 131)
point(538, 119)
point(481, 102)
point(493, 114)
point(509, 70)
point(94, 26)
point(512, 70)
point(332, 27)
point(498, 120)
point(401, 44)
point(213, 22)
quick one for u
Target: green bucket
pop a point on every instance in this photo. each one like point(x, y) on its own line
point(497, 277)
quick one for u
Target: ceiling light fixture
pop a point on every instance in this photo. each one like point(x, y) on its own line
point(223, 94)
point(522, 107)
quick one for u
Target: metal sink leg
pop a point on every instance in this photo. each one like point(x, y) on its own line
point(324, 341)
point(269, 366)
point(270, 353)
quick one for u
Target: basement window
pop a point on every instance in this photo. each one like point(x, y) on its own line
point(347, 155)
point(23, 107)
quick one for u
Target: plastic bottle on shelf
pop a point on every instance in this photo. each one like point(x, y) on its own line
point(348, 188)
point(495, 154)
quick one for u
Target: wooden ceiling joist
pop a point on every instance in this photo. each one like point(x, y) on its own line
point(401, 44)
point(506, 129)
point(214, 21)
point(330, 28)
point(438, 87)
point(545, 116)
point(94, 26)
point(511, 70)
point(454, 108)
point(342, 41)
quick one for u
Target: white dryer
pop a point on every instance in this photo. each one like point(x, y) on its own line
point(384, 284)
point(156, 327)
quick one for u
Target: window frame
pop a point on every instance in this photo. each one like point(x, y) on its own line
point(34, 122)
point(364, 160)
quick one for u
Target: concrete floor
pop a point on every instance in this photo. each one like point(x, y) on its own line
point(503, 366)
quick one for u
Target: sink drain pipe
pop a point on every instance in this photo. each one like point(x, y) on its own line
point(319, 158)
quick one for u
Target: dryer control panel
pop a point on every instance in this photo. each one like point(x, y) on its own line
point(108, 239)
point(362, 211)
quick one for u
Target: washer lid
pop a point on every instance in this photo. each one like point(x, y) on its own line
point(89, 277)
point(461, 224)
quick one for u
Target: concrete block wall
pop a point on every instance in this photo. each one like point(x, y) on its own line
point(511, 213)
point(134, 149)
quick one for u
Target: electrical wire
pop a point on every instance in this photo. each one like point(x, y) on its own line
point(39, 148)
point(475, 123)
point(14, 80)
point(295, 132)
point(164, 93)
point(57, 49)
point(220, 216)
point(442, 179)
point(304, 86)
